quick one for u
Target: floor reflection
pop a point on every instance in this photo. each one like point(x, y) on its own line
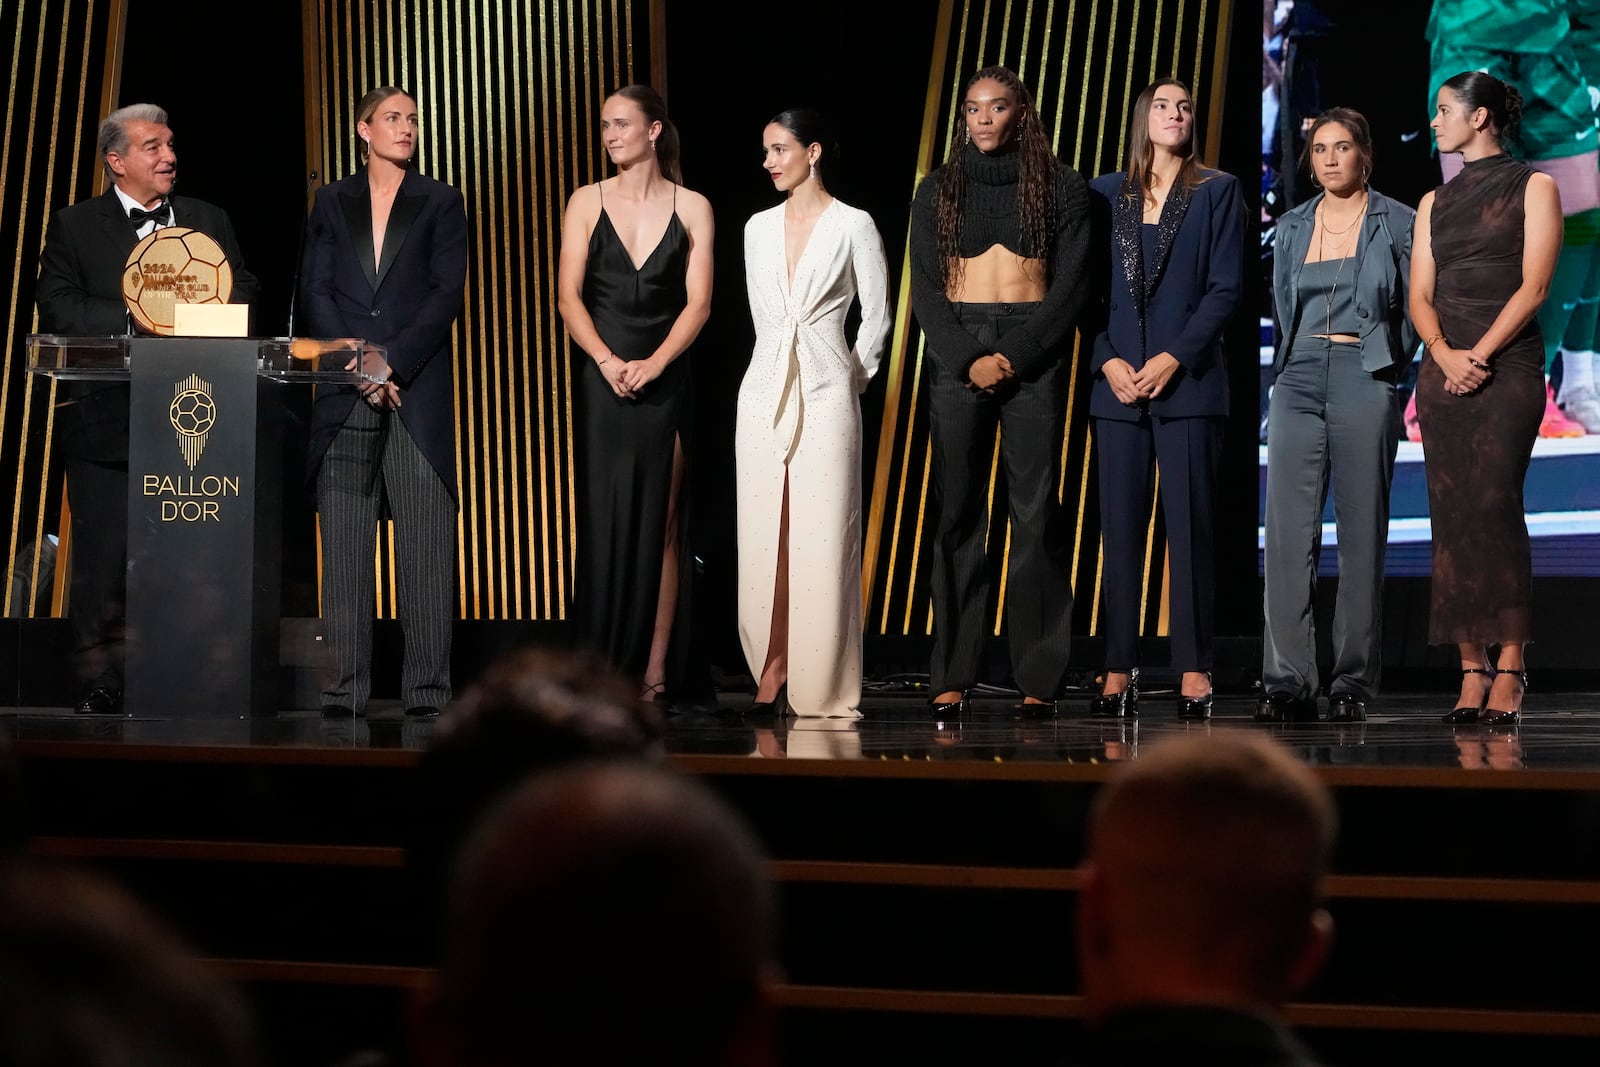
point(1561, 732)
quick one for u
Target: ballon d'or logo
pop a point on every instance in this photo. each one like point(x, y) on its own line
point(193, 412)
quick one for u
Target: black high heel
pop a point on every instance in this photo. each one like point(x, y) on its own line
point(1123, 705)
point(946, 710)
point(1491, 717)
point(1194, 709)
point(773, 709)
point(1466, 713)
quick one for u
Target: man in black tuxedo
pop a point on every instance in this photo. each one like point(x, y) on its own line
point(1200, 908)
point(79, 294)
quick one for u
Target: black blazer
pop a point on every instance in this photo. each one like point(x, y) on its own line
point(1199, 288)
point(407, 303)
point(79, 294)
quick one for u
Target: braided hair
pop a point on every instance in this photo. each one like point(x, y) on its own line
point(1037, 168)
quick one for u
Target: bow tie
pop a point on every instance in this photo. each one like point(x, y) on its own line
point(160, 214)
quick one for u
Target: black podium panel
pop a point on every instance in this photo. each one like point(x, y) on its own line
point(204, 496)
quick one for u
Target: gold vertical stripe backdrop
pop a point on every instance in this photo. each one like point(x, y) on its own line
point(1086, 61)
point(509, 94)
point(63, 77)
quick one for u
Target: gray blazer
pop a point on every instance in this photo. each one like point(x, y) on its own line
point(1383, 280)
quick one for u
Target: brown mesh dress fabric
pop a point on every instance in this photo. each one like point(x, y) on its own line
point(1477, 447)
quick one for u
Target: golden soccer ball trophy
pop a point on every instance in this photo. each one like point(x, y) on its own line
point(174, 265)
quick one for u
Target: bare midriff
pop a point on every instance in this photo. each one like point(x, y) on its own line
point(998, 276)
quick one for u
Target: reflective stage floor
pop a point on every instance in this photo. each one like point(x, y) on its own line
point(1559, 732)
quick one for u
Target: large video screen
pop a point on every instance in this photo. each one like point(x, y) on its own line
point(1300, 43)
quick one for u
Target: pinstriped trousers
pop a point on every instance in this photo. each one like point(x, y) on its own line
point(349, 492)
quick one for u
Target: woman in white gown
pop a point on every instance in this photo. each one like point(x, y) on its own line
point(797, 437)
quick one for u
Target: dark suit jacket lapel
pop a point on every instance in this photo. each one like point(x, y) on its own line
point(407, 206)
point(1172, 213)
point(356, 201)
point(1126, 218)
point(118, 228)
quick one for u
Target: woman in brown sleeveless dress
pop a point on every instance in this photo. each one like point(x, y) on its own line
point(1483, 253)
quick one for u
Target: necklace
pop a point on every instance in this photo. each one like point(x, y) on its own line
point(1322, 256)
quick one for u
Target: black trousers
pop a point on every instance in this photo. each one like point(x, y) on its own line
point(1188, 451)
point(98, 592)
point(1031, 416)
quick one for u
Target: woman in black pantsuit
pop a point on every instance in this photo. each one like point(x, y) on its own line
point(386, 260)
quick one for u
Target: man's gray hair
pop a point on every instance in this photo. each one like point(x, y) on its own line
point(114, 128)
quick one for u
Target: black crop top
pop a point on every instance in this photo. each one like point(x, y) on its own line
point(989, 217)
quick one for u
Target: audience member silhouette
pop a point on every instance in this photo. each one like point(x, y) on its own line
point(89, 979)
point(1199, 912)
point(606, 914)
point(532, 711)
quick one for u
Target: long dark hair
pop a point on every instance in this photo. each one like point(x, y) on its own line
point(810, 128)
point(1037, 167)
point(648, 101)
point(1142, 154)
point(1476, 89)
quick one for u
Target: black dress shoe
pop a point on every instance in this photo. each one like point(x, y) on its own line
point(338, 711)
point(947, 710)
point(1043, 709)
point(1194, 709)
point(422, 711)
point(1346, 707)
point(1494, 717)
point(771, 710)
point(1279, 706)
point(1118, 705)
point(1466, 714)
point(101, 700)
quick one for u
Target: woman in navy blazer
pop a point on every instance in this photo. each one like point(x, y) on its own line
point(1173, 238)
point(386, 260)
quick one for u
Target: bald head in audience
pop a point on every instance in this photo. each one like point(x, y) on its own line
point(606, 914)
point(1203, 879)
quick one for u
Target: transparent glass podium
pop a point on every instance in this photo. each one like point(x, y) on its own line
point(205, 495)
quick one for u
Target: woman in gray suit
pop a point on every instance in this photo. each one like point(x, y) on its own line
point(1339, 281)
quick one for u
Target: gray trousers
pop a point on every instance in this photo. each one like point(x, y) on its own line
point(1329, 423)
point(367, 462)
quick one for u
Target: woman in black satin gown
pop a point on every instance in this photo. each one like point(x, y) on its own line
point(635, 289)
point(1482, 255)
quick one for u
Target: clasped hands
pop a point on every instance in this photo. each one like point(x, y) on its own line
point(627, 377)
point(987, 373)
point(377, 385)
point(1464, 372)
point(1135, 387)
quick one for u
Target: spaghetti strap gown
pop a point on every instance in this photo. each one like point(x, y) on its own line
point(1477, 447)
point(624, 458)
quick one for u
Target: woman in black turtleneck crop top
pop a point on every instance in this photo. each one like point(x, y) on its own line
point(999, 242)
